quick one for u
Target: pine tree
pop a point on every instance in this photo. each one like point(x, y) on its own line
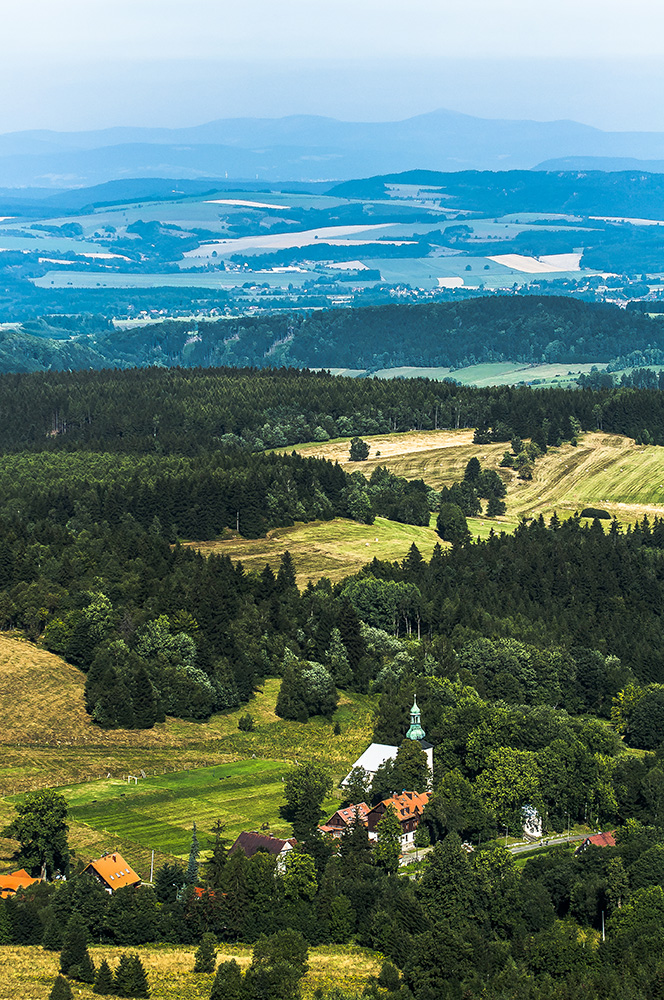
point(228, 983)
point(138, 977)
point(74, 944)
point(104, 980)
point(194, 851)
point(61, 990)
point(52, 937)
point(85, 970)
point(337, 659)
point(206, 956)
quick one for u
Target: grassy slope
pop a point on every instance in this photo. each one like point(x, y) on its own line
point(169, 970)
point(50, 741)
point(604, 470)
point(335, 549)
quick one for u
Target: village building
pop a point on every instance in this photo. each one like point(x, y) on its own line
point(377, 753)
point(408, 807)
point(13, 881)
point(113, 872)
point(597, 840)
point(344, 818)
point(251, 842)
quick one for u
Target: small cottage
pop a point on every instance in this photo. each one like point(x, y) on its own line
point(113, 872)
point(251, 842)
point(344, 818)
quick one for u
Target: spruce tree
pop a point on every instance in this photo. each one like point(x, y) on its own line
point(206, 956)
point(85, 970)
point(74, 944)
point(104, 980)
point(138, 977)
point(5, 925)
point(123, 979)
point(52, 937)
point(228, 983)
point(144, 699)
point(61, 990)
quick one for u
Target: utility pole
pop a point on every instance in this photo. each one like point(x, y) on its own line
point(603, 935)
point(237, 522)
point(151, 868)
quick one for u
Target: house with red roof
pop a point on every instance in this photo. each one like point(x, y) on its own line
point(13, 881)
point(597, 840)
point(344, 818)
point(408, 806)
point(113, 872)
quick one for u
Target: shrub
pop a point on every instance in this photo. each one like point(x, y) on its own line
point(206, 956)
point(246, 723)
point(595, 512)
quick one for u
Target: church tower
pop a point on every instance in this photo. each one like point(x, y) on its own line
point(417, 734)
point(415, 731)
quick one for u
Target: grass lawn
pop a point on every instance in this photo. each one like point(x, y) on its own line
point(159, 811)
point(200, 771)
point(334, 549)
point(30, 970)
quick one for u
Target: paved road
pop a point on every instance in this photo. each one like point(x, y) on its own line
point(535, 845)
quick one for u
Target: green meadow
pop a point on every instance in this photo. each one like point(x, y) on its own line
point(159, 811)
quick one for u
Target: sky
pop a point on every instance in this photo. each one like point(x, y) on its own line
point(83, 64)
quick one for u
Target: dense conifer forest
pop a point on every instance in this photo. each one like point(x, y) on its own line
point(524, 328)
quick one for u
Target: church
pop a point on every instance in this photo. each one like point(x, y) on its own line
point(377, 753)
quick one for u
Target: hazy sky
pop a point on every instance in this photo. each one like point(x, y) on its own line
point(72, 64)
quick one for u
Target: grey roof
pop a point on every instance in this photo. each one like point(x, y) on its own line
point(373, 757)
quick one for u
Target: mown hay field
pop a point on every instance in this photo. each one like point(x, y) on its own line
point(603, 470)
point(28, 972)
point(334, 549)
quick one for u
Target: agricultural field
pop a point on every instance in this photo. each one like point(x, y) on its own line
point(195, 770)
point(604, 470)
point(490, 373)
point(334, 549)
point(169, 969)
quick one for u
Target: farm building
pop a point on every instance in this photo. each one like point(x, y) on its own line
point(377, 753)
point(250, 842)
point(342, 819)
point(113, 872)
point(12, 882)
point(408, 806)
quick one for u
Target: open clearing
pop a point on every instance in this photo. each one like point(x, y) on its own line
point(183, 760)
point(334, 549)
point(604, 470)
point(169, 970)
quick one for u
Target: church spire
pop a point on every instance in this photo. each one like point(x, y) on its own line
point(415, 731)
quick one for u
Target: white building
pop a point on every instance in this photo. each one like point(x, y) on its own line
point(377, 753)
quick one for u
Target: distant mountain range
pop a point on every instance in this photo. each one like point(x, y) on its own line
point(308, 148)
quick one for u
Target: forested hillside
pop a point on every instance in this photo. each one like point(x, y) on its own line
point(453, 334)
point(188, 411)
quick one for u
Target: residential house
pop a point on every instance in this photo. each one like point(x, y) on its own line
point(597, 840)
point(342, 819)
point(408, 806)
point(251, 842)
point(113, 872)
point(13, 881)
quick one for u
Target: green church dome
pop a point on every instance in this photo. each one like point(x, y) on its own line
point(415, 731)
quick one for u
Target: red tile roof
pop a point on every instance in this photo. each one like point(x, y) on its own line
point(114, 871)
point(603, 839)
point(10, 883)
point(345, 817)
